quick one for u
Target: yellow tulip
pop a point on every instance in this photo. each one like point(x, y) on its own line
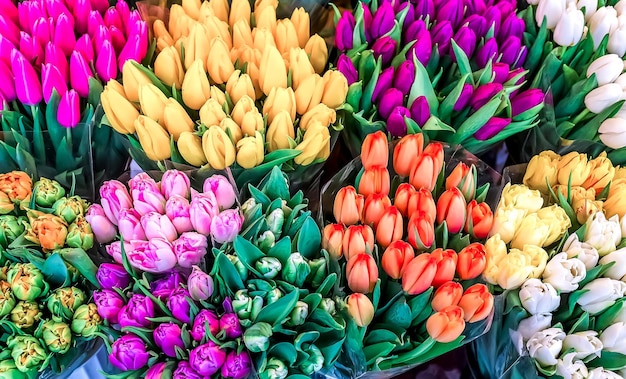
point(162, 44)
point(506, 222)
point(336, 89)
point(242, 34)
point(176, 119)
point(232, 129)
point(521, 197)
point(116, 86)
point(177, 14)
point(218, 94)
point(541, 172)
point(244, 105)
point(205, 11)
point(212, 113)
point(197, 46)
point(196, 88)
point(179, 44)
point(221, 9)
point(280, 99)
point(315, 145)
point(219, 65)
point(153, 138)
point(320, 113)
point(255, 73)
point(263, 38)
point(152, 102)
point(250, 152)
point(496, 251)
point(217, 27)
point(537, 258)
point(557, 220)
point(190, 148)
point(266, 18)
point(300, 67)
point(585, 208)
point(273, 72)
point(260, 4)
point(119, 111)
point(318, 51)
point(280, 131)
point(132, 78)
point(602, 173)
point(285, 36)
point(614, 203)
point(169, 68)
point(239, 85)
point(302, 22)
point(620, 173)
point(249, 55)
point(309, 93)
point(192, 8)
point(239, 11)
point(160, 32)
point(252, 122)
point(532, 230)
point(575, 193)
point(574, 166)
point(218, 148)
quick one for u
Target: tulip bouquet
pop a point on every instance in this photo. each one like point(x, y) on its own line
point(413, 259)
point(54, 56)
point(223, 94)
point(449, 68)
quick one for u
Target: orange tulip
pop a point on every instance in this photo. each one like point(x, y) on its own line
point(451, 208)
point(479, 219)
point(375, 151)
point(450, 293)
point(463, 178)
point(348, 206)
point(17, 185)
point(358, 239)
point(375, 180)
point(406, 152)
point(424, 172)
point(396, 258)
point(362, 273)
point(421, 230)
point(477, 303)
point(402, 197)
point(435, 150)
point(360, 308)
point(422, 200)
point(446, 265)
point(390, 228)
point(374, 208)
point(446, 325)
point(419, 274)
point(332, 239)
point(472, 261)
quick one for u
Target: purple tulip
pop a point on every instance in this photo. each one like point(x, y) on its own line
point(344, 31)
point(123, 10)
point(484, 93)
point(68, 113)
point(80, 72)
point(506, 8)
point(81, 11)
point(226, 225)
point(388, 101)
point(501, 72)
point(129, 225)
point(55, 57)
point(441, 35)
point(466, 40)
point(395, 123)
point(96, 22)
point(157, 225)
point(128, 352)
point(346, 67)
point(410, 13)
point(404, 77)
point(422, 49)
point(237, 365)
point(474, 6)
point(494, 126)
point(487, 52)
point(106, 62)
point(384, 47)
point(412, 32)
point(147, 199)
point(111, 275)
point(464, 98)
point(207, 359)
point(526, 100)
point(156, 371)
point(202, 210)
point(109, 304)
point(494, 19)
point(510, 50)
point(9, 30)
point(137, 312)
point(229, 324)
point(155, 256)
point(451, 11)
point(112, 18)
point(385, 79)
point(167, 337)
point(64, 34)
point(367, 21)
point(164, 286)
point(511, 26)
point(383, 21)
point(177, 210)
point(222, 189)
point(114, 197)
point(477, 23)
point(52, 79)
point(178, 304)
point(424, 8)
point(7, 89)
point(85, 47)
point(522, 57)
point(420, 110)
point(27, 85)
point(199, 284)
point(31, 49)
point(185, 371)
point(203, 319)
point(118, 39)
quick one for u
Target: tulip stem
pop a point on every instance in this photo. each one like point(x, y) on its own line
point(580, 116)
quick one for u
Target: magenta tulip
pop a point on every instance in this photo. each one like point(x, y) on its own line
point(129, 225)
point(385, 79)
point(6, 48)
point(230, 325)
point(100, 5)
point(137, 312)
point(347, 68)
point(157, 371)
point(226, 226)
point(118, 39)
point(112, 18)
point(441, 35)
point(413, 30)
point(344, 31)
point(31, 49)
point(106, 62)
point(68, 113)
point(111, 275)
point(167, 283)
point(475, 6)
point(168, 337)
point(134, 49)
point(109, 303)
point(494, 126)
point(52, 80)
point(207, 359)
point(487, 52)
point(80, 72)
point(484, 93)
point(384, 48)
point(185, 371)
point(404, 77)
point(128, 352)
point(81, 11)
point(27, 83)
point(511, 26)
point(205, 318)
point(494, 18)
point(526, 100)
point(64, 34)
point(501, 72)
point(424, 8)
point(7, 89)
point(55, 8)
point(383, 21)
point(190, 248)
point(123, 10)
point(43, 29)
point(367, 21)
point(55, 57)
point(450, 10)
point(157, 225)
point(237, 365)
point(389, 100)
point(202, 210)
point(155, 256)
point(85, 47)
point(9, 30)
point(199, 284)
point(510, 50)
point(410, 12)
point(477, 23)
point(114, 197)
point(178, 304)
point(9, 9)
point(114, 249)
point(396, 125)
point(464, 97)
point(420, 110)
point(95, 23)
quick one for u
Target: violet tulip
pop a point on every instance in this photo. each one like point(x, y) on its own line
point(230, 325)
point(424, 8)
point(56, 58)
point(404, 77)
point(410, 13)
point(422, 49)
point(7, 89)
point(207, 359)
point(111, 275)
point(137, 312)
point(157, 225)
point(190, 248)
point(167, 283)
point(102, 228)
point(451, 11)
point(511, 26)
point(147, 198)
point(237, 365)
point(385, 79)
point(27, 85)
point(80, 74)
point(346, 67)
point(52, 79)
point(389, 100)
point(515, 72)
point(367, 21)
point(521, 58)
point(112, 18)
point(412, 32)
point(114, 197)
point(175, 182)
point(484, 93)
point(155, 256)
point(31, 49)
point(441, 35)
point(494, 18)
point(344, 31)
point(222, 189)
point(477, 23)
point(474, 6)
point(384, 47)
point(85, 47)
point(68, 113)
point(64, 34)
point(526, 100)
point(492, 127)
point(510, 50)
point(202, 210)
point(506, 8)
point(396, 125)
point(199, 284)
point(464, 97)
point(129, 351)
point(177, 210)
point(500, 72)
point(185, 371)
point(226, 225)
point(383, 20)
point(106, 62)
point(168, 337)
point(203, 319)
point(487, 52)
point(178, 304)
point(420, 110)
point(109, 304)
point(129, 225)
point(466, 40)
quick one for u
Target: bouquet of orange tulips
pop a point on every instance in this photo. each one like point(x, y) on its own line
point(408, 240)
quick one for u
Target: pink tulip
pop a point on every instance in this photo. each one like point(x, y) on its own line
point(158, 225)
point(31, 49)
point(43, 30)
point(80, 72)
point(175, 182)
point(24, 13)
point(142, 181)
point(135, 48)
point(133, 18)
point(177, 209)
point(123, 10)
point(112, 18)
point(226, 225)
point(85, 47)
point(27, 83)
point(114, 249)
point(9, 9)
point(148, 200)
point(129, 225)
point(64, 35)
point(106, 62)
point(117, 38)
point(202, 210)
point(103, 229)
point(155, 256)
point(68, 113)
point(7, 89)
point(222, 189)
point(52, 79)
point(6, 47)
point(55, 8)
point(100, 5)
point(9, 29)
point(99, 37)
point(114, 197)
point(190, 248)
point(56, 58)
point(81, 10)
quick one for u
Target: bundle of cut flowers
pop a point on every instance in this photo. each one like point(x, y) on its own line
point(231, 88)
point(54, 57)
point(409, 240)
point(450, 68)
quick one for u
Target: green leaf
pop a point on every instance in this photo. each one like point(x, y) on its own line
point(284, 351)
point(313, 300)
point(447, 105)
point(422, 86)
point(399, 314)
point(81, 261)
point(55, 271)
point(327, 285)
point(607, 317)
point(372, 352)
point(323, 318)
point(281, 250)
point(461, 59)
point(381, 335)
point(247, 252)
point(474, 122)
point(229, 273)
point(309, 239)
point(609, 360)
point(581, 325)
point(277, 312)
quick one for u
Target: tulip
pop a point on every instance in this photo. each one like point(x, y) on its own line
point(315, 145)
point(569, 29)
point(279, 100)
point(607, 68)
point(320, 113)
point(226, 226)
point(441, 35)
point(347, 68)
point(421, 201)
point(472, 261)
point(421, 230)
point(109, 304)
point(157, 225)
point(391, 99)
point(375, 151)
point(177, 210)
point(345, 28)
point(361, 309)
point(81, 72)
point(464, 178)
point(448, 294)
point(405, 152)
point(199, 284)
point(286, 36)
point(205, 319)
point(273, 72)
point(611, 338)
point(218, 148)
point(603, 234)
point(383, 21)
point(479, 220)
point(69, 109)
point(451, 209)
point(446, 266)
point(302, 23)
point(551, 10)
point(152, 101)
point(545, 346)
point(447, 324)
point(564, 273)
point(424, 172)
point(167, 337)
point(120, 112)
point(51, 79)
point(601, 23)
point(176, 119)
point(8, 90)
point(358, 239)
point(220, 68)
point(477, 303)
point(332, 239)
point(153, 138)
point(250, 152)
point(195, 87)
point(175, 182)
point(385, 49)
point(137, 312)
point(335, 89)
point(396, 124)
point(613, 133)
point(385, 80)
point(484, 93)
point(114, 197)
point(203, 209)
point(419, 274)
point(581, 250)
point(616, 37)
point(111, 276)
point(466, 40)
point(103, 229)
point(534, 324)
point(27, 85)
point(396, 258)
point(374, 180)
point(361, 273)
point(538, 297)
point(348, 206)
point(374, 207)
point(155, 256)
point(526, 100)
point(487, 52)
point(390, 228)
point(129, 352)
point(494, 126)
point(603, 97)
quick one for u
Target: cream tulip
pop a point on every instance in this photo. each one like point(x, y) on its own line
point(545, 346)
point(600, 294)
point(538, 297)
point(196, 88)
point(551, 10)
point(585, 344)
point(219, 65)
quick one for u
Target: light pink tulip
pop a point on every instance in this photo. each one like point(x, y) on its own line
point(114, 197)
point(202, 210)
point(226, 225)
point(190, 248)
point(222, 189)
point(146, 199)
point(114, 249)
point(129, 225)
point(155, 256)
point(177, 209)
point(103, 229)
point(142, 181)
point(175, 182)
point(158, 225)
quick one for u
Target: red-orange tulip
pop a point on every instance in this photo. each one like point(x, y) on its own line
point(435, 149)
point(446, 325)
point(402, 198)
point(477, 303)
point(424, 172)
point(375, 180)
point(358, 239)
point(348, 206)
point(421, 230)
point(362, 273)
point(390, 228)
point(374, 208)
point(463, 177)
point(448, 294)
point(375, 150)
point(446, 266)
point(451, 208)
point(360, 308)
point(332, 239)
point(406, 152)
point(472, 261)
point(396, 257)
point(479, 219)
point(419, 274)
point(422, 200)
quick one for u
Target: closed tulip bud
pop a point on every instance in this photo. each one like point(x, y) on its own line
point(250, 151)
point(168, 67)
point(335, 90)
point(375, 150)
point(396, 258)
point(196, 89)
point(239, 10)
point(218, 148)
point(551, 10)
point(315, 145)
point(405, 153)
point(68, 113)
point(332, 239)
point(219, 65)
point(491, 128)
point(358, 239)
point(302, 23)
point(197, 45)
point(348, 69)
point(569, 29)
point(448, 294)
point(300, 66)
point(361, 273)
point(51, 79)
point(190, 148)
point(278, 100)
point(479, 219)
point(447, 324)
point(176, 119)
point(153, 138)
point(152, 102)
point(212, 113)
point(607, 68)
point(402, 198)
point(286, 36)
point(318, 51)
point(345, 31)
point(309, 93)
point(27, 84)
point(424, 172)
point(252, 122)
point(601, 23)
point(421, 230)
point(242, 35)
point(616, 37)
point(106, 62)
point(603, 97)
point(280, 132)
point(472, 261)
point(384, 49)
point(232, 129)
point(484, 93)
point(463, 178)
point(390, 228)
point(133, 79)
point(446, 265)
point(613, 132)
point(391, 99)
point(239, 85)
point(320, 113)
point(375, 180)
point(81, 72)
point(361, 309)
point(273, 72)
point(375, 206)
point(419, 274)
point(487, 52)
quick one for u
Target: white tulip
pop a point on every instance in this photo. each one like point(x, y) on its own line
point(564, 273)
point(534, 324)
point(603, 234)
point(620, 7)
point(552, 10)
point(614, 338)
point(600, 373)
point(601, 294)
point(618, 270)
point(590, 7)
point(603, 97)
point(613, 131)
point(584, 343)
point(582, 251)
point(532, 2)
point(538, 297)
point(545, 346)
point(617, 37)
point(602, 23)
point(569, 368)
point(622, 223)
point(621, 80)
point(620, 316)
point(569, 28)
point(607, 68)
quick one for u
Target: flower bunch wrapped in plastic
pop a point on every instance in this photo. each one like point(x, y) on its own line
point(410, 250)
point(164, 224)
point(449, 68)
point(225, 94)
point(54, 57)
point(282, 284)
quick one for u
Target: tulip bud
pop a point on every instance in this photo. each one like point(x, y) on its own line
point(51, 79)
point(280, 132)
point(493, 126)
point(348, 206)
point(447, 324)
point(278, 100)
point(300, 66)
point(190, 148)
point(317, 50)
point(450, 293)
point(472, 261)
point(421, 230)
point(375, 206)
point(601, 23)
point(176, 119)
point(335, 89)
point(168, 67)
point(358, 239)
point(361, 273)
point(419, 274)
point(446, 265)
point(424, 172)
point(315, 145)
point(132, 79)
point(390, 227)
point(153, 138)
point(273, 72)
point(152, 101)
point(250, 151)
point(219, 65)
point(361, 309)
point(396, 258)
point(479, 219)
point(374, 180)
point(345, 31)
point(212, 113)
point(320, 113)
point(477, 303)
point(196, 89)
point(218, 148)
point(332, 239)
point(296, 270)
point(309, 93)
point(68, 113)
point(405, 151)
point(375, 150)
point(569, 29)
point(239, 85)
point(286, 36)
point(27, 85)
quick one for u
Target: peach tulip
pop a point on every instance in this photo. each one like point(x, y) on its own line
point(348, 206)
point(451, 208)
point(477, 303)
point(332, 239)
point(446, 265)
point(446, 325)
point(374, 208)
point(435, 150)
point(396, 257)
point(360, 308)
point(406, 152)
point(450, 293)
point(424, 172)
point(479, 219)
point(375, 180)
point(421, 230)
point(362, 273)
point(472, 261)
point(463, 177)
point(402, 198)
point(375, 151)
point(419, 274)
point(358, 239)
point(390, 228)
point(422, 200)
